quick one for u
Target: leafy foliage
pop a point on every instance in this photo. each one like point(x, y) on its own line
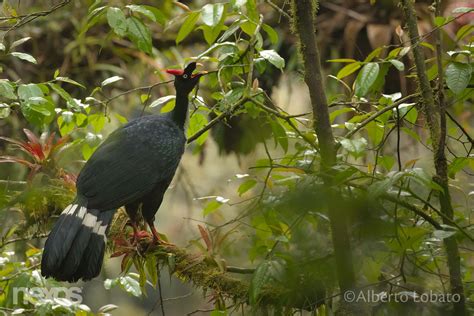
point(282, 226)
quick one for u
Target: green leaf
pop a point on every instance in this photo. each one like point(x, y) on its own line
point(38, 108)
point(378, 188)
point(348, 70)
point(279, 134)
point(211, 14)
point(411, 133)
point(38, 114)
point(117, 21)
point(252, 11)
point(62, 93)
point(80, 119)
point(335, 114)
point(420, 176)
point(139, 34)
point(375, 132)
point(366, 78)
point(24, 56)
point(342, 60)
point(121, 119)
point(408, 112)
point(159, 16)
point(130, 285)
point(457, 165)
point(386, 161)
point(4, 110)
point(97, 121)
point(188, 26)
point(168, 107)
point(464, 31)
point(162, 101)
point(246, 185)
point(273, 57)
point(110, 80)
point(211, 207)
point(68, 80)
point(142, 10)
point(428, 45)
point(196, 123)
point(439, 20)
point(397, 64)
point(151, 266)
point(458, 76)
point(249, 27)
point(231, 30)
point(272, 34)
point(26, 91)
point(375, 53)
point(171, 262)
point(86, 150)
point(7, 90)
point(356, 147)
point(266, 272)
point(211, 33)
point(19, 42)
point(66, 127)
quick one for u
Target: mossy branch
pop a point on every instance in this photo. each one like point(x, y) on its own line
point(304, 13)
point(435, 117)
point(206, 274)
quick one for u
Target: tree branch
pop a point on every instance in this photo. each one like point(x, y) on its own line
point(304, 12)
point(436, 120)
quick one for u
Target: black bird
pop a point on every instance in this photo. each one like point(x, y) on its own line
point(133, 167)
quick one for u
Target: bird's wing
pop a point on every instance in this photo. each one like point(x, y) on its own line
point(129, 163)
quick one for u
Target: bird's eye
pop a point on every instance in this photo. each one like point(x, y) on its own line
point(185, 76)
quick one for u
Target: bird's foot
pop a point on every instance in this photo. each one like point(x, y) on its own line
point(157, 240)
point(139, 235)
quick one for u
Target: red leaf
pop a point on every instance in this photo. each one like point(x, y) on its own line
point(120, 241)
point(143, 234)
point(48, 145)
point(37, 151)
point(25, 147)
point(205, 237)
point(31, 137)
point(35, 144)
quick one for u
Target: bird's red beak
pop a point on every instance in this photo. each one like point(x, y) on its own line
point(180, 72)
point(175, 72)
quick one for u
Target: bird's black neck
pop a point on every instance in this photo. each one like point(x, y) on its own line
point(180, 111)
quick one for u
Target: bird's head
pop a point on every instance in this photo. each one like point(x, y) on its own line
point(184, 79)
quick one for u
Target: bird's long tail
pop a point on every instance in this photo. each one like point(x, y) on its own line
point(75, 247)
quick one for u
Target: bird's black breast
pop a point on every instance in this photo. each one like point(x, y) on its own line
point(131, 161)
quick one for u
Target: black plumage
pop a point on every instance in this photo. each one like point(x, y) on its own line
point(133, 167)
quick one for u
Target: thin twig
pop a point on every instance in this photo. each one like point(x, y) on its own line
point(25, 19)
